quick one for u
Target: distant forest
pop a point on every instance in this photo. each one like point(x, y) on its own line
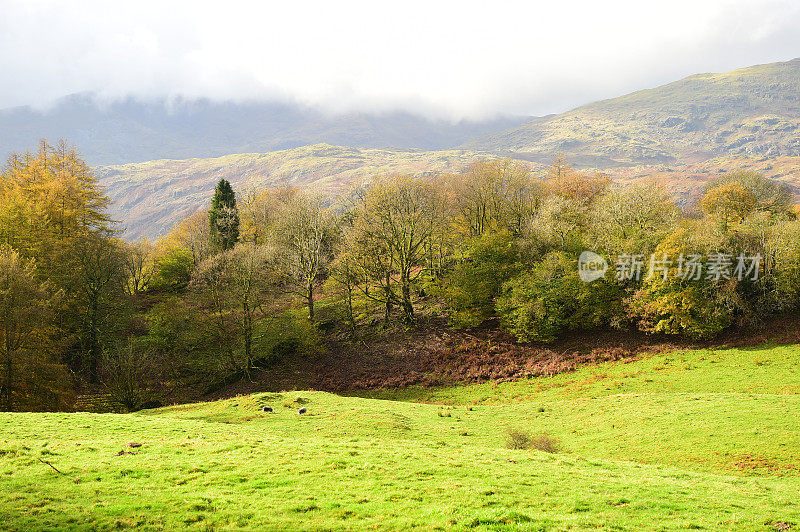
point(261, 275)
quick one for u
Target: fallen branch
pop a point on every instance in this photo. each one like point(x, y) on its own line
point(51, 465)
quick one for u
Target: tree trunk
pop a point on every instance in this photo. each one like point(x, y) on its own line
point(350, 314)
point(8, 384)
point(310, 302)
point(408, 308)
point(94, 341)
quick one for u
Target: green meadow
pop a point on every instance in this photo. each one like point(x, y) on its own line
point(705, 439)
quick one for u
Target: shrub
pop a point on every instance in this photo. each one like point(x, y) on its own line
point(546, 443)
point(470, 290)
point(550, 299)
point(522, 439)
point(518, 439)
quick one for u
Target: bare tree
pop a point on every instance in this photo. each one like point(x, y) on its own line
point(138, 261)
point(396, 220)
point(304, 237)
point(126, 371)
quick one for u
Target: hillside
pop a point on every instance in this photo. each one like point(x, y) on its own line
point(134, 131)
point(696, 439)
point(149, 198)
point(751, 111)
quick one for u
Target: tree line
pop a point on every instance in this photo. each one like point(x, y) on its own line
point(269, 273)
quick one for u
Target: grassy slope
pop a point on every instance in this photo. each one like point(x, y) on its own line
point(683, 440)
point(749, 111)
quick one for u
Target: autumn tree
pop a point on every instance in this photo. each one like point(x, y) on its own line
point(565, 181)
point(304, 237)
point(24, 315)
point(631, 219)
point(51, 207)
point(396, 219)
point(494, 195)
point(729, 203)
point(260, 211)
point(192, 234)
point(771, 195)
point(232, 288)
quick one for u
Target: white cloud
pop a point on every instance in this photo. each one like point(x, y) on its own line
point(454, 59)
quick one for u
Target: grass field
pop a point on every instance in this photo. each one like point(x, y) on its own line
point(683, 440)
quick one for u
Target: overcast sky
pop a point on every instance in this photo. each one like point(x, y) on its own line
point(447, 59)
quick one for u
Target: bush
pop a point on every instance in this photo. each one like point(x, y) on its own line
point(522, 439)
point(546, 443)
point(518, 439)
point(173, 270)
point(541, 304)
point(470, 290)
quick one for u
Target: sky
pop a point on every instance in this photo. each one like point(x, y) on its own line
point(443, 59)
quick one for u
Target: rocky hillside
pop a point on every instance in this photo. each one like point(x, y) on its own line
point(149, 198)
point(752, 111)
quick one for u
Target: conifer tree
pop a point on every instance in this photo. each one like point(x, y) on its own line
point(224, 216)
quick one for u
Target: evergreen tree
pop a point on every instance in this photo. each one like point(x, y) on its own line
point(224, 216)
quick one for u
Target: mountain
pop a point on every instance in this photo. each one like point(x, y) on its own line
point(682, 134)
point(752, 111)
point(135, 131)
point(150, 198)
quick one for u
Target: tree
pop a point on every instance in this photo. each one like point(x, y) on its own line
point(260, 211)
point(24, 313)
point(127, 369)
point(675, 303)
point(304, 238)
point(344, 276)
point(394, 222)
point(51, 207)
point(223, 216)
point(632, 219)
point(559, 222)
point(101, 280)
point(566, 182)
point(772, 196)
point(494, 195)
point(232, 287)
point(729, 203)
point(194, 235)
point(475, 282)
point(172, 269)
point(541, 304)
point(138, 261)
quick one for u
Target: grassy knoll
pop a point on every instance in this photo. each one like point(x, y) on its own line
point(697, 439)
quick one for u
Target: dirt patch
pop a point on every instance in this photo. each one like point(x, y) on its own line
point(433, 354)
point(753, 464)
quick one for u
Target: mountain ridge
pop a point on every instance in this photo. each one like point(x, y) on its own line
point(151, 197)
point(132, 130)
point(751, 111)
